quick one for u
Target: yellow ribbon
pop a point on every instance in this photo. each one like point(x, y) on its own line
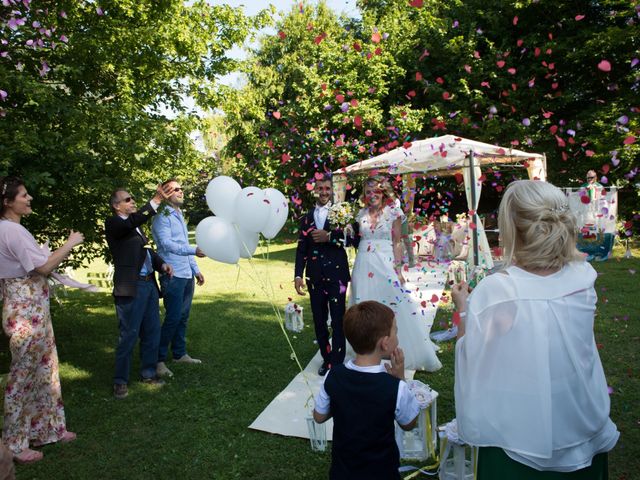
point(430, 448)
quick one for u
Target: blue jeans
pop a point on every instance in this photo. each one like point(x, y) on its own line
point(177, 296)
point(138, 316)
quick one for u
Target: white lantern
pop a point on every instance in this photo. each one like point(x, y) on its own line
point(293, 320)
point(420, 443)
point(457, 460)
point(317, 434)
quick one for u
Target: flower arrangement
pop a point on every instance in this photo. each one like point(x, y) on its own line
point(341, 214)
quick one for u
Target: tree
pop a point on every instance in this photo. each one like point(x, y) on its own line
point(538, 75)
point(95, 120)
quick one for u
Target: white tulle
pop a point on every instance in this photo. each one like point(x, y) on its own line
point(374, 278)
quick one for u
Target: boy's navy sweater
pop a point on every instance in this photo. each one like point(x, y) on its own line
point(363, 408)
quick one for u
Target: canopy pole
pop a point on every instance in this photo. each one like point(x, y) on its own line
point(474, 218)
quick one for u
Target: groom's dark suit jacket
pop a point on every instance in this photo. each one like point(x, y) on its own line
point(321, 261)
point(128, 250)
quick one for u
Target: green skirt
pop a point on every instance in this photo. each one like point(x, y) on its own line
point(494, 464)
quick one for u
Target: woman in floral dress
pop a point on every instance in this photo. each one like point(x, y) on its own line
point(33, 410)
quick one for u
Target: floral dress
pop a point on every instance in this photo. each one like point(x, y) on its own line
point(33, 410)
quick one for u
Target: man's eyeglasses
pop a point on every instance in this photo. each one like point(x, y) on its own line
point(591, 178)
point(177, 189)
point(126, 200)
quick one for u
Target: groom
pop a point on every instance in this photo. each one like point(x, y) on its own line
point(322, 255)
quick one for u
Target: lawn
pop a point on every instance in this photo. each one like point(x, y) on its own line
point(196, 426)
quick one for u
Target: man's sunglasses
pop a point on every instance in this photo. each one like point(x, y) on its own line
point(591, 178)
point(177, 189)
point(126, 199)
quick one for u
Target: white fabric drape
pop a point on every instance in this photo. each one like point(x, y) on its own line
point(484, 252)
point(601, 212)
point(528, 377)
point(537, 169)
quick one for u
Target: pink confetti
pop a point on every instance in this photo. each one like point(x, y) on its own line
point(604, 65)
point(579, 17)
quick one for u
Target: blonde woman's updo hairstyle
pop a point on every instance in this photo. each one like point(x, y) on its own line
point(537, 229)
point(381, 182)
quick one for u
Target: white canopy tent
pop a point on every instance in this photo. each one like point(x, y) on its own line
point(444, 156)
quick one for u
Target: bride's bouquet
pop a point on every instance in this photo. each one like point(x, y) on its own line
point(341, 214)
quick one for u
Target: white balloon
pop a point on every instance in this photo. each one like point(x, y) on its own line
point(251, 209)
point(221, 196)
point(217, 238)
point(247, 242)
point(279, 205)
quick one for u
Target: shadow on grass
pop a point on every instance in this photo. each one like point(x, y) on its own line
point(196, 425)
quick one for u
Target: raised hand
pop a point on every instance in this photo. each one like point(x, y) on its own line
point(459, 294)
point(396, 368)
point(75, 238)
point(162, 193)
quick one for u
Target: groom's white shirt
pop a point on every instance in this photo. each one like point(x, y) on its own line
point(320, 215)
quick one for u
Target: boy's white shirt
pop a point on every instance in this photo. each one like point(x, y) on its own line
point(407, 407)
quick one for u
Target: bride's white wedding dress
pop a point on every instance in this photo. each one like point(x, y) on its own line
point(374, 278)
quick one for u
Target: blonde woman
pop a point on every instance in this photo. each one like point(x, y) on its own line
point(377, 273)
point(530, 389)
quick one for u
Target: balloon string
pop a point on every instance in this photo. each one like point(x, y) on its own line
point(276, 310)
point(271, 297)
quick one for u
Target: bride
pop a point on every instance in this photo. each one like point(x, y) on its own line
point(377, 273)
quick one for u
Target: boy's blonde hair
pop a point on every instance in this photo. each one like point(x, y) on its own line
point(537, 229)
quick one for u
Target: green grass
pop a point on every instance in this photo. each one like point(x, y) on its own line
point(196, 426)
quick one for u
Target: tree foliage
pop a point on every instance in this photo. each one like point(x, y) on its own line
point(557, 78)
point(95, 118)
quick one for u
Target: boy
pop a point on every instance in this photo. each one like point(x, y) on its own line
point(364, 397)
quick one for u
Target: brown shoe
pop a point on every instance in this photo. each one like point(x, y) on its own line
point(153, 381)
point(120, 390)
